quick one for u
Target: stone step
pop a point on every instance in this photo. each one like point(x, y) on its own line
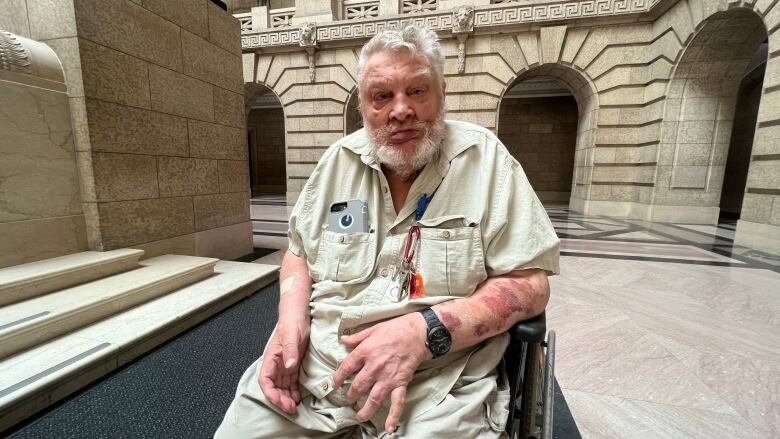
point(33, 321)
point(34, 379)
point(25, 281)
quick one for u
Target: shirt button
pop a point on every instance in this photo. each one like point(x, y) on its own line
point(346, 331)
point(445, 234)
point(383, 273)
point(324, 385)
point(341, 239)
point(384, 189)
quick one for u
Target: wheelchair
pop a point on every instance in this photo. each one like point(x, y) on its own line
point(529, 362)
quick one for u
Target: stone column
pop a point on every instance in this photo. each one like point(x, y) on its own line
point(260, 18)
point(452, 4)
point(389, 7)
point(314, 11)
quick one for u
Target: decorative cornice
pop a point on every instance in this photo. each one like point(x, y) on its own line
point(13, 55)
point(485, 17)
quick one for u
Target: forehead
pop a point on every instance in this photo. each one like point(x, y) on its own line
point(396, 67)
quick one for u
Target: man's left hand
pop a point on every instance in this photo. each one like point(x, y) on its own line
point(384, 359)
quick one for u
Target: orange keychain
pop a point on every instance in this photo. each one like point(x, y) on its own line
point(416, 287)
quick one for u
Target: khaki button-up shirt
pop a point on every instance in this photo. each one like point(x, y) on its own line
point(484, 220)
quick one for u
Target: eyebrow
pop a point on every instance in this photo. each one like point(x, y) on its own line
point(423, 73)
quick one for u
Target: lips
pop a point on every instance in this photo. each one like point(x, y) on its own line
point(403, 136)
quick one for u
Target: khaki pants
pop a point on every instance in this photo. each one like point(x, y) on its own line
point(473, 409)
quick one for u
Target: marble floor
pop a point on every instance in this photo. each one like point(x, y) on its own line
point(663, 330)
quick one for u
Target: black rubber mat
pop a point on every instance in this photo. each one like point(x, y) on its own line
point(182, 388)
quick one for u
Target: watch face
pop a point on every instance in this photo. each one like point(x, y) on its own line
point(439, 340)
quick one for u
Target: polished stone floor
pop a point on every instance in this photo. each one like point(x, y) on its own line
point(663, 330)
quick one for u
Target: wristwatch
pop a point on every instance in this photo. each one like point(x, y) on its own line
point(439, 339)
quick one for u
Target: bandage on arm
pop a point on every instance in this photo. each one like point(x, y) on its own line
point(294, 287)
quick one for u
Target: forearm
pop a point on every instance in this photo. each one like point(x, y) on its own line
point(498, 303)
point(295, 287)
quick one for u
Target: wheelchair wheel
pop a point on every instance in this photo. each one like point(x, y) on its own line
point(531, 409)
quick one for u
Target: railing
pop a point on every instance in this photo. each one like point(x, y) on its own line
point(246, 21)
point(281, 17)
point(357, 9)
point(418, 6)
point(499, 2)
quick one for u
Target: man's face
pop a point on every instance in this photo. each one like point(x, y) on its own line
point(402, 105)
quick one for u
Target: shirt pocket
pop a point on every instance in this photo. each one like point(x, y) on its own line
point(344, 257)
point(451, 259)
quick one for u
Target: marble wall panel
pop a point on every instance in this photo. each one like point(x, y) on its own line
point(118, 128)
point(33, 240)
point(179, 94)
point(189, 14)
point(130, 28)
point(208, 140)
point(224, 29)
point(211, 63)
point(14, 17)
point(233, 176)
point(229, 108)
point(187, 176)
point(38, 167)
point(227, 243)
point(114, 76)
point(126, 223)
point(51, 19)
point(120, 177)
point(67, 49)
point(212, 211)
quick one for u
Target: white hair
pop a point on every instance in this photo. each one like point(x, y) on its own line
point(410, 38)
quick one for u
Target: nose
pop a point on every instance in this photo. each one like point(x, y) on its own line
point(401, 107)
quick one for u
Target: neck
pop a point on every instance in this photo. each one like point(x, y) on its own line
point(399, 187)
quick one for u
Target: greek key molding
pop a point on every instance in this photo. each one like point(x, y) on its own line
point(13, 55)
point(442, 20)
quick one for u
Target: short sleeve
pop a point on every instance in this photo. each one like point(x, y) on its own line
point(299, 212)
point(519, 234)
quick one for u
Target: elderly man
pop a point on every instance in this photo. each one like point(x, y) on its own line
point(401, 324)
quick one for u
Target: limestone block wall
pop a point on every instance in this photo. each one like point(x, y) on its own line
point(158, 112)
point(40, 205)
point(655, 84)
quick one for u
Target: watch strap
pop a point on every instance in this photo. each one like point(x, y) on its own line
point(430, 318)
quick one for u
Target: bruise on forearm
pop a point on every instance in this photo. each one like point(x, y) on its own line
point(495, 306)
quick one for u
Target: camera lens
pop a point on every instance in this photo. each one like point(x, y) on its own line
point(346, 221)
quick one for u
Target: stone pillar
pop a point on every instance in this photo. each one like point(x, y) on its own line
point(452, 4)
point(260, 18)
point(314, 11)
point(157, 109)
point(389, 7)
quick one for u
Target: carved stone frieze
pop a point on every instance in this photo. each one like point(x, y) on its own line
point(444, 21)
point(13, 55)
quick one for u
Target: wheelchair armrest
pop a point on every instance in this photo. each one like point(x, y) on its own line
point(531, 330)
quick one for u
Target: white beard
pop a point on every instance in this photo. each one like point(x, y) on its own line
point(402, 164)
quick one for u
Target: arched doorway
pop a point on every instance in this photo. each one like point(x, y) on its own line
point(265, 137)
point(546, 121)
point(711, 111)
point(353, 121)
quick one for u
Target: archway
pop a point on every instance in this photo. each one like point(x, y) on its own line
point(546, 119)
point(265, 137)
point(720, 70)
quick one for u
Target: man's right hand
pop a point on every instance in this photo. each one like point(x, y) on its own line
point(281, 362)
